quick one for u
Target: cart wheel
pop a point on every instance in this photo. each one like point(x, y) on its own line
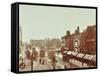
point(22, 65)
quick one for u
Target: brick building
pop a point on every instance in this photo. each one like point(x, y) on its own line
point(67, 41)
point(90, 40)
point(81, 41)
point(76, 40)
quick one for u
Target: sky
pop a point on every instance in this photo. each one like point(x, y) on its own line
point(40, 22)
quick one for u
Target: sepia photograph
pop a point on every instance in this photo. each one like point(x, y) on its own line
point(56, 38)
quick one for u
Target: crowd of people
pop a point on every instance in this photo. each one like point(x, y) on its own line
point(29, 53)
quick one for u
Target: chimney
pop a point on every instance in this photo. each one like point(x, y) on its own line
point(77, 29)
point(68, 33)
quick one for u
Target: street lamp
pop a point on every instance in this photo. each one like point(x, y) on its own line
point(32, 57)
point(54, 62)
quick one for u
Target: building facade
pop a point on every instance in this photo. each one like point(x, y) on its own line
point(81, 41)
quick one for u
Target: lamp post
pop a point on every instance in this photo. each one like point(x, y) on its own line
point(54, 63)
point(32, 57)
